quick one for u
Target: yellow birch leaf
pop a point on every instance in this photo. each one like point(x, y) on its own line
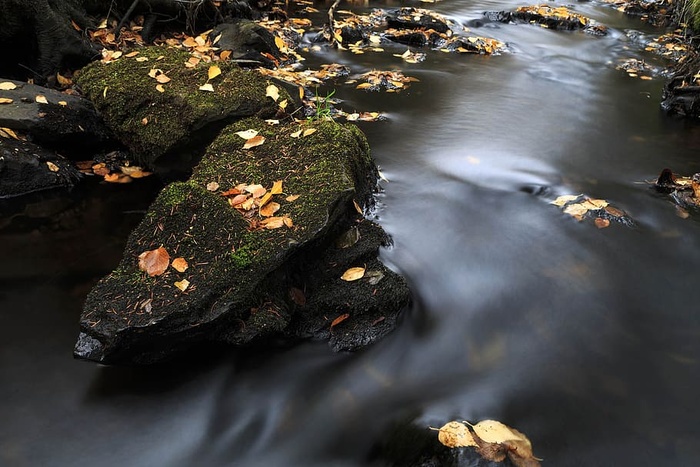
point(154, 262)
point(309, 131)
point(160, 88)
point(283, 104)
point(280, 43)
point(273, 92)
point(41, 99)
point(182, 285)
point(353, 274)
point(301, 92)
point(577, 210)
point(213, 72)
point(207, 87)
point(62, 103)
point(7, 86)
point(493, 431)
point(363, 86)
point(52, 167)
point(265, 199)
point(276, 187)
point(562, 200)
point(456, 435)
point(180, 264)
point(132, 54)
point(254, 141)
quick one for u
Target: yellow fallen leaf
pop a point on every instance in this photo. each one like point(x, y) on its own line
point(273, 222)
point(52, 167)
point(283, 104)
point(276, 187)
point(132, 54)
point(182, 285)
point(62, 103)
point(363, 86)
point(7, 86)
point(254, 141)
point(62, 80)
point(160, 88)
point(273, 92)
point(5, 100)
point(562, 200)
point(296, 134)
point(247, 134)
point(8, 133)
point(493, 431)
point(207, 87)
point(456, 435)
point(291, 198)
point(141, 59)
point(353, 274)
point(41, 99)
point(153, 72)
point(180, 264)
point(213, 72)
point(309, 131)
point(162, 78)
point(225, 55)
point(288, 221)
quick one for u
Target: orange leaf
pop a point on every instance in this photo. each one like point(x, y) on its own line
point(288, 221)
point(339, 319)
point(236, 200)
point(154, 262)
point(254, 141)
point(225, 54)
point(601, 223)
point(269, 209)
point(180, 264)
point(353, 274)
point(162, 78)
point(232, 191)
point(272, 222)
point(291, 198)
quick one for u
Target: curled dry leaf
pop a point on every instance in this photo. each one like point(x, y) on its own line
point(180, 264)
point(353, 274)
point(154, 262)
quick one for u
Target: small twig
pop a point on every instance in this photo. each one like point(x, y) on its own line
point(125, 18)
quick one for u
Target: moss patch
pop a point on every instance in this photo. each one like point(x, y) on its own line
point(152, 123)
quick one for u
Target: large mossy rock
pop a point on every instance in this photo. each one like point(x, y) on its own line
point(248, 285)
point(154, 123)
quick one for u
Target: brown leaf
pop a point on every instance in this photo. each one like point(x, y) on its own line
point(225, 55)
point(272, 223)
point(291, 198)
point(288, 221)
point(339, 319)
point(601, 223)
point(62, 80)
point(254, 141)
point(154, 262)
point(162, 78)
point(180, 264)
point(353, 274)
point(297, 296)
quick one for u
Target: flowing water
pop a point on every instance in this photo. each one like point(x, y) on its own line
point(585, 339)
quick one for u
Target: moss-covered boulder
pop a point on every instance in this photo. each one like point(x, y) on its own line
point(250, 280)
point(153, 101)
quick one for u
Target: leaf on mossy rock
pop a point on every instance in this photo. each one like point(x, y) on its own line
point(493, 440)
point(254, 141)
point(154, 262)
point(213, 72)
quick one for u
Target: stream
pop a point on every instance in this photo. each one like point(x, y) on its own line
point(587, 340)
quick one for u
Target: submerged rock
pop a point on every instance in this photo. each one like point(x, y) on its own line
point(247, 283)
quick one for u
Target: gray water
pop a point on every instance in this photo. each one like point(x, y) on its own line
point(586, 340)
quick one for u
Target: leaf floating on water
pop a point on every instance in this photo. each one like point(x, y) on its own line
point(562, 200)
point(154, 262)
point(180, 264)
point(353, 274)
point(182, 285)
point(254, 141)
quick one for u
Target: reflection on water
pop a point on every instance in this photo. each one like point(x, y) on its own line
point(585, 339)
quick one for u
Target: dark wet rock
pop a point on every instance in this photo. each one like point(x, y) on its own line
point(558, 18)
point(241, 276)
point(685, 191)
point(182, 118)
point(66, 123)
point(28, 168)
point(415, 38)
point(248, 42)
point(416, 18)
point(681, 93)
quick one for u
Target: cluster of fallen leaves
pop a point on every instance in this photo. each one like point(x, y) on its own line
point(684, 190)
point(579, 206)
point(391, 81)
point(493, 440)
point(255, 203)
point(635, 68)
point(476, 44)
point(546, 12)
point(672, 45)
point(125, 173)
point(156, 262)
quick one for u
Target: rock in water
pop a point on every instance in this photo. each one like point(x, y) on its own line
point(244, 261)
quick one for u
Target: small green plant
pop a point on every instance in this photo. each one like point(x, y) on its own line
point(324, 106)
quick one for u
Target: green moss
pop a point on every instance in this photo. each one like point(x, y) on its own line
point(175, 193)
point(242, 257)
